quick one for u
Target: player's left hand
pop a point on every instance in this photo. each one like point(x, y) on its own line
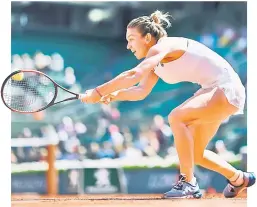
point(90, 96)
point(109, 98)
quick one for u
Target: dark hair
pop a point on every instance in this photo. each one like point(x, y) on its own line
point(155, 24)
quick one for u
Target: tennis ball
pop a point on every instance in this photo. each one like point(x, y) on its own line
point(18, 76)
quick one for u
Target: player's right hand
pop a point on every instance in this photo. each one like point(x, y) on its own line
point(90, 97)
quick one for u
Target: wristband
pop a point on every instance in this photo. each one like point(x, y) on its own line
point(98, 92)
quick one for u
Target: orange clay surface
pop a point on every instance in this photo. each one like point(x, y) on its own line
point(128, 200)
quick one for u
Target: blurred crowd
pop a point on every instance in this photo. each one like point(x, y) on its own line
point(107, 138)
point(52, 65)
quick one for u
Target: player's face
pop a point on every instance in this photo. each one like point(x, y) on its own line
point(137, 43)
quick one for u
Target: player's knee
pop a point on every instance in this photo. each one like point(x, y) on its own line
point(174, 116)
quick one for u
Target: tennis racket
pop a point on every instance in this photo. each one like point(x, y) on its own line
point(30, 91)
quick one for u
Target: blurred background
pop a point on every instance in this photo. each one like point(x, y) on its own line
point(110, 149)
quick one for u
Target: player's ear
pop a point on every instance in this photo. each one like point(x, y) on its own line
point(148, 38)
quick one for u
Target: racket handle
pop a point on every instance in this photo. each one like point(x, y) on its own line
point(81, 96)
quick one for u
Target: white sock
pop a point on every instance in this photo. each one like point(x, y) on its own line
point(237, 179)
point(193, 181)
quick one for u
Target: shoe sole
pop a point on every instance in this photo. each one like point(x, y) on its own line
point(197, 195)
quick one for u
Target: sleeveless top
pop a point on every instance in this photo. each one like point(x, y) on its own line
point(198, 64)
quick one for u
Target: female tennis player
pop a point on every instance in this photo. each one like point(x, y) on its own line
point(194, 122)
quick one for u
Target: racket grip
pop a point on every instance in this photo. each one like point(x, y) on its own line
point(81, 96)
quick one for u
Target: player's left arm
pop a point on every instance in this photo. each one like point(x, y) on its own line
point(131, 77)
point(134, 93)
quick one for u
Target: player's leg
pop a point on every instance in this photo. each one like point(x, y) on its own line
point(202, 134)
point(206, 107)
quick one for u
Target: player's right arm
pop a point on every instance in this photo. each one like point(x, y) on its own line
point(134, 93)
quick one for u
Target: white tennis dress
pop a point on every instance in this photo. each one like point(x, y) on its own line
point(202, 66)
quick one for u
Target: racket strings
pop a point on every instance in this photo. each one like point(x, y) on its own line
point(29, 92)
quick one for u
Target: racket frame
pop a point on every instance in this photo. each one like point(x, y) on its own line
point(56, 86)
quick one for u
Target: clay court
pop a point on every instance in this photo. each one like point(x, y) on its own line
point(124, 200)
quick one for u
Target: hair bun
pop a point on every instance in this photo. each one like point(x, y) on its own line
point(161, 19)
point(155, 17)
